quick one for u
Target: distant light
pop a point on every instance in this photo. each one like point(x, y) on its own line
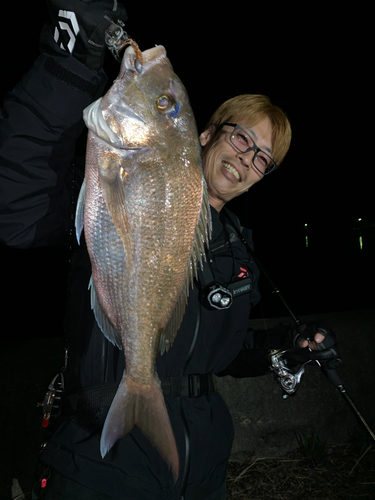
point(359, 220)
point(305, 225)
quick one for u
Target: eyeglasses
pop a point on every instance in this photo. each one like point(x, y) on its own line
point(242, 141)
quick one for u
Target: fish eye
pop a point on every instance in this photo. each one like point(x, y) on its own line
point(168, 106)
point(163, 102)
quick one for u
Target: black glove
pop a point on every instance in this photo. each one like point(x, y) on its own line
point(294, 334)
point(79, 27)
point(326, 352)
point(287, 337)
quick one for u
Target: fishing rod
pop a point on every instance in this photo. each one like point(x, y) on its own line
point(287, 378)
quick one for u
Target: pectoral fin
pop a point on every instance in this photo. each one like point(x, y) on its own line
point(112, 179)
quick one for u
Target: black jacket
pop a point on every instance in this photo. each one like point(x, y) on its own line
point(40, 124)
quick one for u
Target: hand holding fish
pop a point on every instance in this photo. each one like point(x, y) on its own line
point(79, 27)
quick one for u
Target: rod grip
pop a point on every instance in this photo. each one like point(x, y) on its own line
point(333, 377)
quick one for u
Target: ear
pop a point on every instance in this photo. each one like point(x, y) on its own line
point(207, 135)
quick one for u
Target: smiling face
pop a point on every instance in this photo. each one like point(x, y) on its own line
point(229, 172)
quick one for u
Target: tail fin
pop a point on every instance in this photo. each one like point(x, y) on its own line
point(144, 406)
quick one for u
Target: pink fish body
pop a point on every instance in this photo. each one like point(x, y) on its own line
point(144, 207)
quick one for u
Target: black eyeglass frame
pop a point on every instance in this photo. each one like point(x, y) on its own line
point(253, 148)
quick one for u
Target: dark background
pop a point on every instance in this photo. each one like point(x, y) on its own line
point(315, 60)
point(312, 61)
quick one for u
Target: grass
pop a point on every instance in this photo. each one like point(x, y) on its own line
point(317, 470)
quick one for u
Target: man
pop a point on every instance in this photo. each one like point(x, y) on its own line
point(233, 164)
point(243, 143)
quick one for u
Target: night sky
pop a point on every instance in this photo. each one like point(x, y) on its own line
point(317, 66)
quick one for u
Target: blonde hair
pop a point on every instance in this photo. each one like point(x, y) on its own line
point(250, 109)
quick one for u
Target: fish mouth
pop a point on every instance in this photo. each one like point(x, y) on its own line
point(149, 57)
point(154, 53)
point(232, 170)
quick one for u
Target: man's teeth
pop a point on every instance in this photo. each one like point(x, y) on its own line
point(231, 170)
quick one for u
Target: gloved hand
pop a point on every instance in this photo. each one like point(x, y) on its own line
point(79, 27)
point(311, 341)
point(303, 342)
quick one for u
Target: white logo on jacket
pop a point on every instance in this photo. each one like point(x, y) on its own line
point(67, 27)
